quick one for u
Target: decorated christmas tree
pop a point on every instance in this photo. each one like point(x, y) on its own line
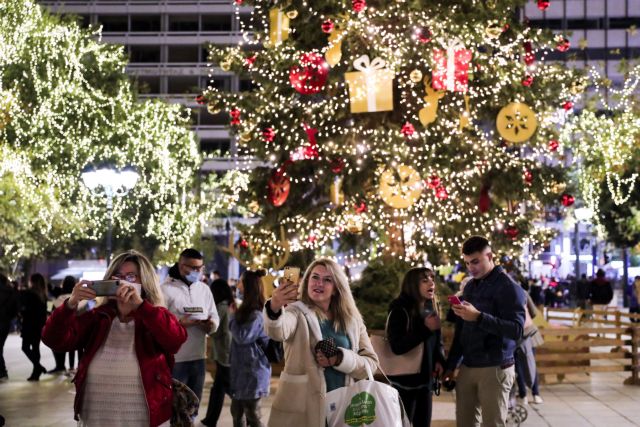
point(397, 127)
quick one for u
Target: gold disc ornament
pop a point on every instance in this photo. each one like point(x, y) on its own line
point(516, 122)
point(400, 188)
point(416, 76)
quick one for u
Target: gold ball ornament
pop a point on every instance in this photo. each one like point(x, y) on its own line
point(416, 76)
point(292, 14)
point(213, 108)
point(400, 188)
point(225, 65)
point(355, 224)
point(245, 136)
point(558, 187)
point(577, 87)
point(516, 122)
point(493, 31)
point(254, 206)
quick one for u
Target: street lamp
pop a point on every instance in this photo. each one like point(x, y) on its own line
point(110, 183)
point(582, 214)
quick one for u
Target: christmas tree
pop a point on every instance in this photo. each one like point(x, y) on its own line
point(396, 127)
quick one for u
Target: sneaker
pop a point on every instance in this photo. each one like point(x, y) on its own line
point(522, 400)
point(537, 399)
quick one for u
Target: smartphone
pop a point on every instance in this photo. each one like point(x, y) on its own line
point(454, 300)
point(104, 288)
point(292, 274)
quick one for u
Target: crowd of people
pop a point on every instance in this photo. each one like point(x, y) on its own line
point(135, 348)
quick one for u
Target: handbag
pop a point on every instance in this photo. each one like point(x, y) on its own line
point(397, 364)
point(273, 350)
point(184, 406)
point(366, 402)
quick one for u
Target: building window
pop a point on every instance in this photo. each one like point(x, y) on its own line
point(217, 82)
point(215, 146)
point(183, 85)
point(145, 23)
point(188, 54)
point(114, 23)
point(183, 23)
point(216, 23)
point(148, 84)
point(144, 54)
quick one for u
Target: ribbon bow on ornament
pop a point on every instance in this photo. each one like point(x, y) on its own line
point(365, 65)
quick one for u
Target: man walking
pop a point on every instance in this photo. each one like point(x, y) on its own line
point(8, 310)
point(490, 320)
point(192, 302)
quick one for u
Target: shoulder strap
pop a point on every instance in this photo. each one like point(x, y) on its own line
point(386, 325)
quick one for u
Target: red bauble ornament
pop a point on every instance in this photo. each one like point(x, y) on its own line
point(528, 177)
point(311, 75)
point(563, 44)
point(200, 100)
point(529, 56)
point(553, 145)
point(567, 200)
point(358, 5)
point(235, 116)
point(327, 26)
point(511, 232)
point(434, 182)
point(279, 187)
point(239, 2)
point(311, 238)
point(543, 4)
point(243, 244)
point(268, 135)
point(441, 193)
point(407, 130)
point(360, 207)
point(527, 81)
point(567, 105)
point(337, 165)
point(250, 60)
point(484, 202)
point(424, 35)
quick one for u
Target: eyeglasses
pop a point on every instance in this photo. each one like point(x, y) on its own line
point(193, 267)
point(129, 277)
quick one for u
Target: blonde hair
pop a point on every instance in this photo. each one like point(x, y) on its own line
point(342, 306)
point(146, 273)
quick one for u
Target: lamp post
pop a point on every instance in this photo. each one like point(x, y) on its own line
point(110, 183)
point(582, 214)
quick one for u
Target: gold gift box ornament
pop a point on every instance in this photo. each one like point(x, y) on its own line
point(278, 26)
point(370, 88)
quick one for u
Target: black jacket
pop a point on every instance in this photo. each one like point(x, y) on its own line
point(34, 314)
point(491, 340)
point(8, 304)
point(402, 341)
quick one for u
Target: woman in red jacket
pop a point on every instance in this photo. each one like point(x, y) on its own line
point(124, 376)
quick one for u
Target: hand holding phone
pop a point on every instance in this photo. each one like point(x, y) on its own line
point(291, 274)
point(104, 288)
point(454, 300)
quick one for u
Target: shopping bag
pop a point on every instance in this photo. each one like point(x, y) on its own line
point(365, 403)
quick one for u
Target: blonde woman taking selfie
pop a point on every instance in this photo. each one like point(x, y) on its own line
point(326, 345)
point(124, 376)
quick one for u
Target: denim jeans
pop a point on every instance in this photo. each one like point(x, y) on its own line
point(191, 373)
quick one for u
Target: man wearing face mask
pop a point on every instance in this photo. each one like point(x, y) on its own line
point(192, 302)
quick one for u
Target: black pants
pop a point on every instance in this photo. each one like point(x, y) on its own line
point(418, 404)
point(219, 388)
point(31, 347)
point(4, 333)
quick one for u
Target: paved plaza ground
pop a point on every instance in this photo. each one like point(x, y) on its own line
point(598, 400)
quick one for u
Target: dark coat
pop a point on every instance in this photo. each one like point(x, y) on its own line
point(8, 304)
point(600, 291)
point(34, 314)
point(402, 341)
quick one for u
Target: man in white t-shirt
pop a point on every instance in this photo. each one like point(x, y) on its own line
point(192, 302)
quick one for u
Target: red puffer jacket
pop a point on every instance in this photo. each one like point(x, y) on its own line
point(158, 336)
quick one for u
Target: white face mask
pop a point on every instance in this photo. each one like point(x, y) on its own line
point(192, 277)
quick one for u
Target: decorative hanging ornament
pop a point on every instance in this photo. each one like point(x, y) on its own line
point(337, 165)
point(311, 75)
point(434, 182)
point(327, 26)
point(516, 122)
point(415, 76)
point(543, 4)
point(358, 5)
point(334, 53)
point(527, 81)
point(451, 70)
point(371, 87)
point(400, 187)
point(310, 151)
point(200, 100)
point(424, 35)
point(529, 57)
point(562, 43)
point(278, 26)
point(429, 113)
point(292, 14)
point(225, 65)
point(243, 243)
point(493, 31)
point(527, 176)
point(336, 196)
point(567, 105)
point(268, 135)
point(441, 193)
point(577, 86)
point(235, 116)
point(360, 207)
point(567, 200)
point(354, 223)
point(553, 145)
point(250, 60)
point(484, 201)
point(511, 232)
point(407, 130)
point(279, 187)
point(213, 108)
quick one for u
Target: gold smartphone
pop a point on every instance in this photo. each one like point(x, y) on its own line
point(292, 274)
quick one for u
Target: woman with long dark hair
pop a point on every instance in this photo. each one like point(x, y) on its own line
point(250, 369)
point(34, 316)
point(414, 320)
point(220, 346)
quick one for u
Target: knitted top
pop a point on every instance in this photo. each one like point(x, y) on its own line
point(114, 394)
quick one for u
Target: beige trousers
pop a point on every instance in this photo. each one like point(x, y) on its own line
point(483, 393)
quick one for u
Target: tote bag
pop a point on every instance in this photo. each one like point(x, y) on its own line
point(365, 403)
point(397, 364)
